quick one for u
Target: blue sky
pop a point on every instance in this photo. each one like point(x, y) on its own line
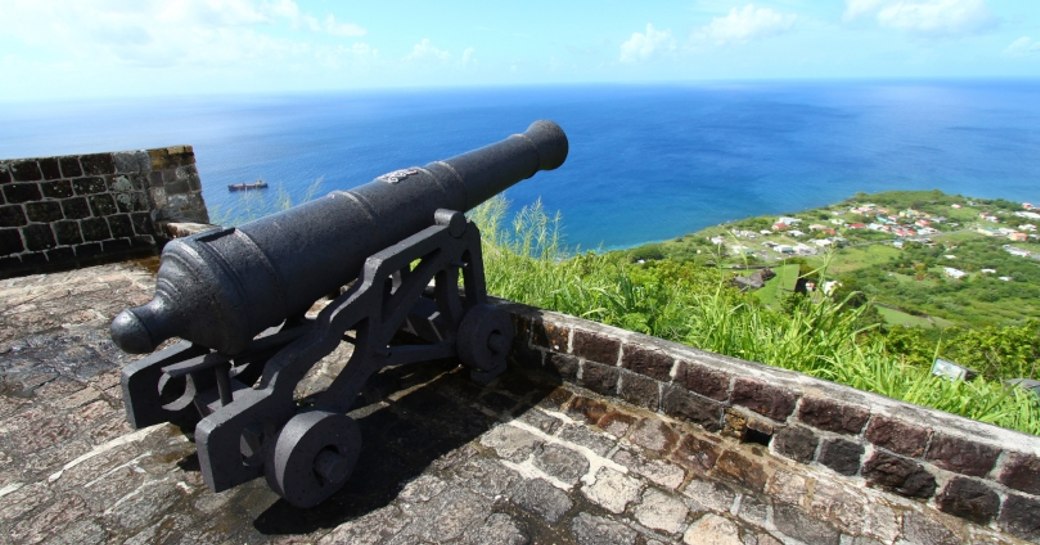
point(114, 48)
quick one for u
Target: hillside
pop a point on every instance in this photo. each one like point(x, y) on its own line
point(924, 258)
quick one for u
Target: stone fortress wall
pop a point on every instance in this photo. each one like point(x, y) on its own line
point(62, 212)
point(981, 474)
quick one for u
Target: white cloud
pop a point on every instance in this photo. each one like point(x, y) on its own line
point(925, 17)
point(343, 30)
point(742, 25)
point(181, 33)
point(642, 46)
point(1022, 47)
point(425, 51)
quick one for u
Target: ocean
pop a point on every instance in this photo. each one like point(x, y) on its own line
point(647, 163)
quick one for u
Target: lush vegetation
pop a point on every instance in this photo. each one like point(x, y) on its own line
point(838, 337)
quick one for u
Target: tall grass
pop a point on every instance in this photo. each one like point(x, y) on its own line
point(525, 262)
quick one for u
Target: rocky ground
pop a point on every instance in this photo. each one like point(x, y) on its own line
point(444, 460)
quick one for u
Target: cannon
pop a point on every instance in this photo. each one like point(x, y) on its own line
point(404, 270)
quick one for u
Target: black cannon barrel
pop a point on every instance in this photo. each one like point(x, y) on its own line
point(219, 289)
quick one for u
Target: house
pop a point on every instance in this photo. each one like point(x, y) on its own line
point(857, 226)
point(1018, 236)
point(953, 273)
point(1017, 252)
point(823, 242)
point(754, 280)
point(796, 233)
point(988, 271)
point(1028, 215)
point(717, 240)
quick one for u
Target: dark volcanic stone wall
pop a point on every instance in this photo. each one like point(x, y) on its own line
point(982, 474)
point(63, 212)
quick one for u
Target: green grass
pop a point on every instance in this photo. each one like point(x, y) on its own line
point(695, 305)
point(780, 286)
point(897, 317)
point(853, 259)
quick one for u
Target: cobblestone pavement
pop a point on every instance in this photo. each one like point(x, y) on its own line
point(444, 460)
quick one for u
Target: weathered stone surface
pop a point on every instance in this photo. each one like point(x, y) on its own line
point(652, 363)
point(704, 495)
point(1021, 472)
point(712, 530)
point(591, 410)
point(697, 453)
point(661, 511)
point(924, 530)
point(703, 380)
point(841, 455)
point(543, 499)
point(612, 490)
point(70, 167)
point(962, 455)
point(549, 335)
point(640, 390)
point(1020, 516)
point(511, 442)
point(789, 487)
point(485, 476)
point(563, 365)
point(742, 469)
point(660, 472)
point(765, 399)
point(654, 435)
point(25, 171)
point(969, 499)
point(681, 404)
point(599, 378)
point(794, 523)
point(898, 436)
point(596, 347)
point(98, 163)
point(498, 529)
point(899, 475)
point(796, 442)
point(584, 436)
point(592, 530)
point(562, 463)
point(832, 415)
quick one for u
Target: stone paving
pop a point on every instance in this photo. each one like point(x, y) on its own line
point(444, 460)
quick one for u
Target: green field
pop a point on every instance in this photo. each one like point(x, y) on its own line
point(897, 317)
point(780, 286)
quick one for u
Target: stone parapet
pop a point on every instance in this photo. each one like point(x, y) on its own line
point(984, 475)
point(58, 213)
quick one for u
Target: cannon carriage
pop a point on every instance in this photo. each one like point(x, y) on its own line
point(405, 267)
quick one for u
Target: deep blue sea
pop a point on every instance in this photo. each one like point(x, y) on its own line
point(646, 163)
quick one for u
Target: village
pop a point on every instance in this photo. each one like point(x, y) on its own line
point(853, 223)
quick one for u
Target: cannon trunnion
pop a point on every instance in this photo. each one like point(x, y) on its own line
point(395, 250)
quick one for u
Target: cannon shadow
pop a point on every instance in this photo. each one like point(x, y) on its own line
point(410, 418)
